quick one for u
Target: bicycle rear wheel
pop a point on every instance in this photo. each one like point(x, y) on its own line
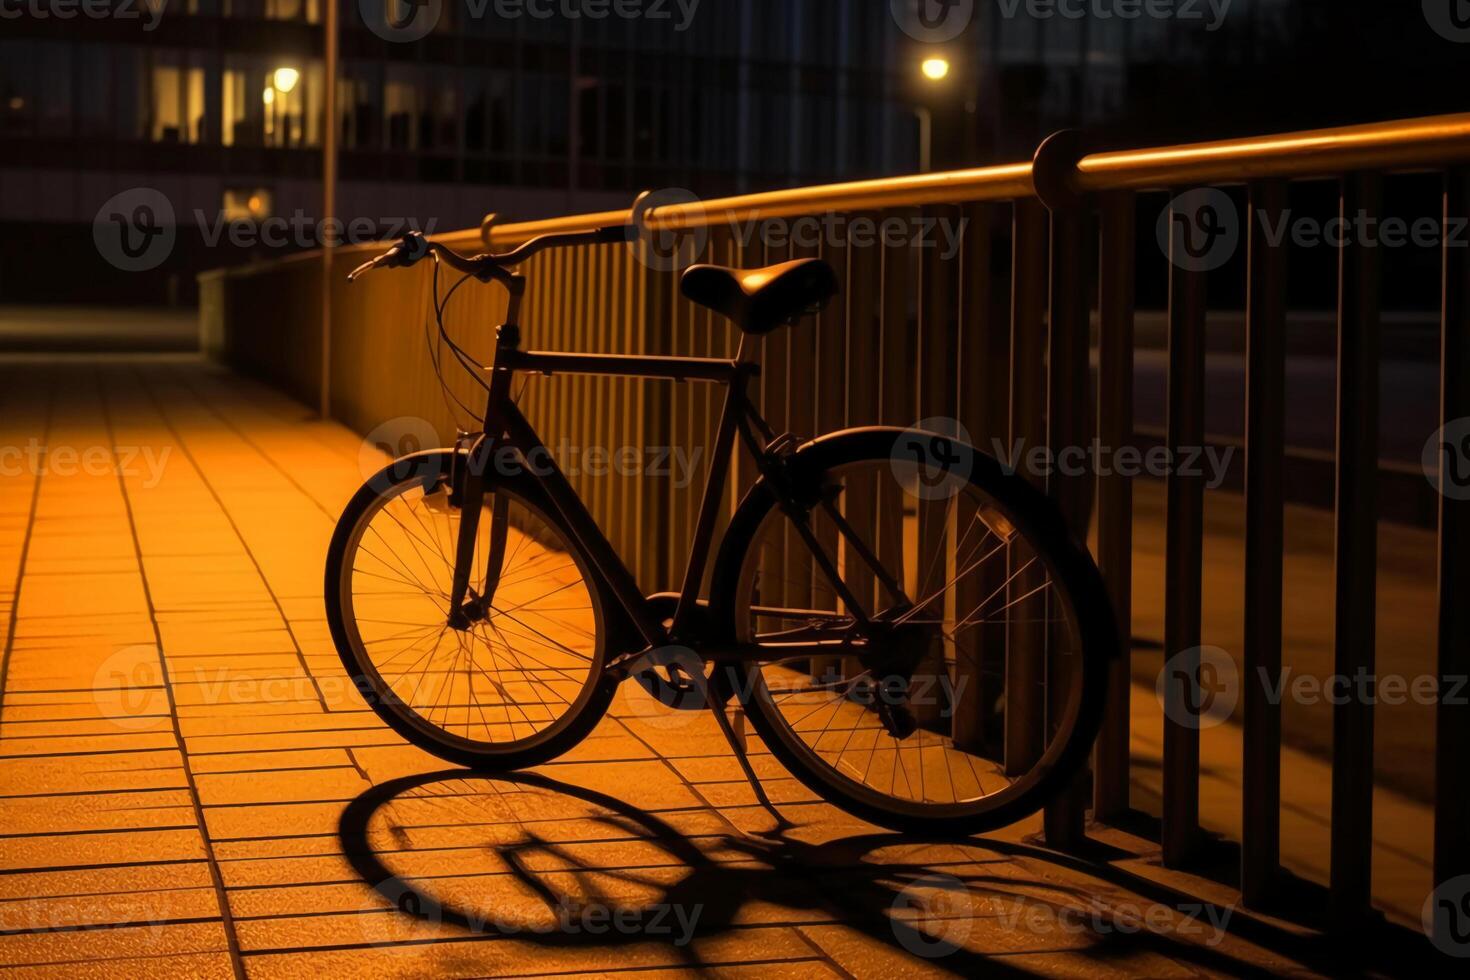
point(524, 682)
point(977, 690)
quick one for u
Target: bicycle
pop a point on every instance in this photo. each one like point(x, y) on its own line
point(911, 627)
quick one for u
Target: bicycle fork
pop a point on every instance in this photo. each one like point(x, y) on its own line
point(467, 606)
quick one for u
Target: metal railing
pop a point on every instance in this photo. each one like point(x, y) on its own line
point(997, 334)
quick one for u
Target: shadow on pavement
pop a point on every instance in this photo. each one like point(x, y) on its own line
point(970, 912)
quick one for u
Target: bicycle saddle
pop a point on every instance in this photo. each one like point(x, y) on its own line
point(760, 300)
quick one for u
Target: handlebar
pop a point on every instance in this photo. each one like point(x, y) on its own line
point(486, 266)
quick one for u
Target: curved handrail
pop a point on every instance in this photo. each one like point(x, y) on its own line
point(1397, 145)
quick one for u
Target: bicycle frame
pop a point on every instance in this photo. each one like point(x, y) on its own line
point(505, 425)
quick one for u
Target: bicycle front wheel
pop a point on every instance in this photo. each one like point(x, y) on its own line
point(975, 691)
point(517, 685)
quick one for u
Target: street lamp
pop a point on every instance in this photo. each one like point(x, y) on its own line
point(283, 80)
point(935, 70)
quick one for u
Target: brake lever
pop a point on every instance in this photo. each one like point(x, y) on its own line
point(368, 266)
point(413, 248)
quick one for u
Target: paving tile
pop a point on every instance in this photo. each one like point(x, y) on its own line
point(101, 808)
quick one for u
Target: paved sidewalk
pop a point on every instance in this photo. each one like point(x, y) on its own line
point(188, 787)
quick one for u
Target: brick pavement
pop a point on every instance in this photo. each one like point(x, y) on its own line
point(188, 786)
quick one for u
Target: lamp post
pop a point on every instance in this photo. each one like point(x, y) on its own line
point(935, 70)
point(329, 193)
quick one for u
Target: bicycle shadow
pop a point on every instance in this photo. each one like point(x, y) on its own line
point(962, 923)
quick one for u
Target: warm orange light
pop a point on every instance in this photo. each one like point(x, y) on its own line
point(285, 79)
point(935, 69)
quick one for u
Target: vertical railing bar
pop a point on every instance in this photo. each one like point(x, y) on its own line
point(981, 355)
point(1356, 559)
point(1068, 428)
point(1184, 546)
point(1024, 668)
point(1452, 731)
point(1116, 271)
point(1265, 385)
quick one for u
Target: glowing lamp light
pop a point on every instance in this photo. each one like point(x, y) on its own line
point(935, 69)
point(285, 79)
point(268, 96)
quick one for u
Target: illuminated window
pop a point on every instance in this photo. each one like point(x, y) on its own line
point(247, 203)
point(270, 103)
point(176, 104)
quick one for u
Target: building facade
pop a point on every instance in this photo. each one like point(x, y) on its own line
point(449, 109)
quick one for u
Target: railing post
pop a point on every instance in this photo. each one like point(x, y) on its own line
point(1114, 491)
point(1184, 546)
point(1358, 344)
point(1452, 732)
point(1068, 428)
point(981, 364)
point(1265, 329)
point(1025, 670)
